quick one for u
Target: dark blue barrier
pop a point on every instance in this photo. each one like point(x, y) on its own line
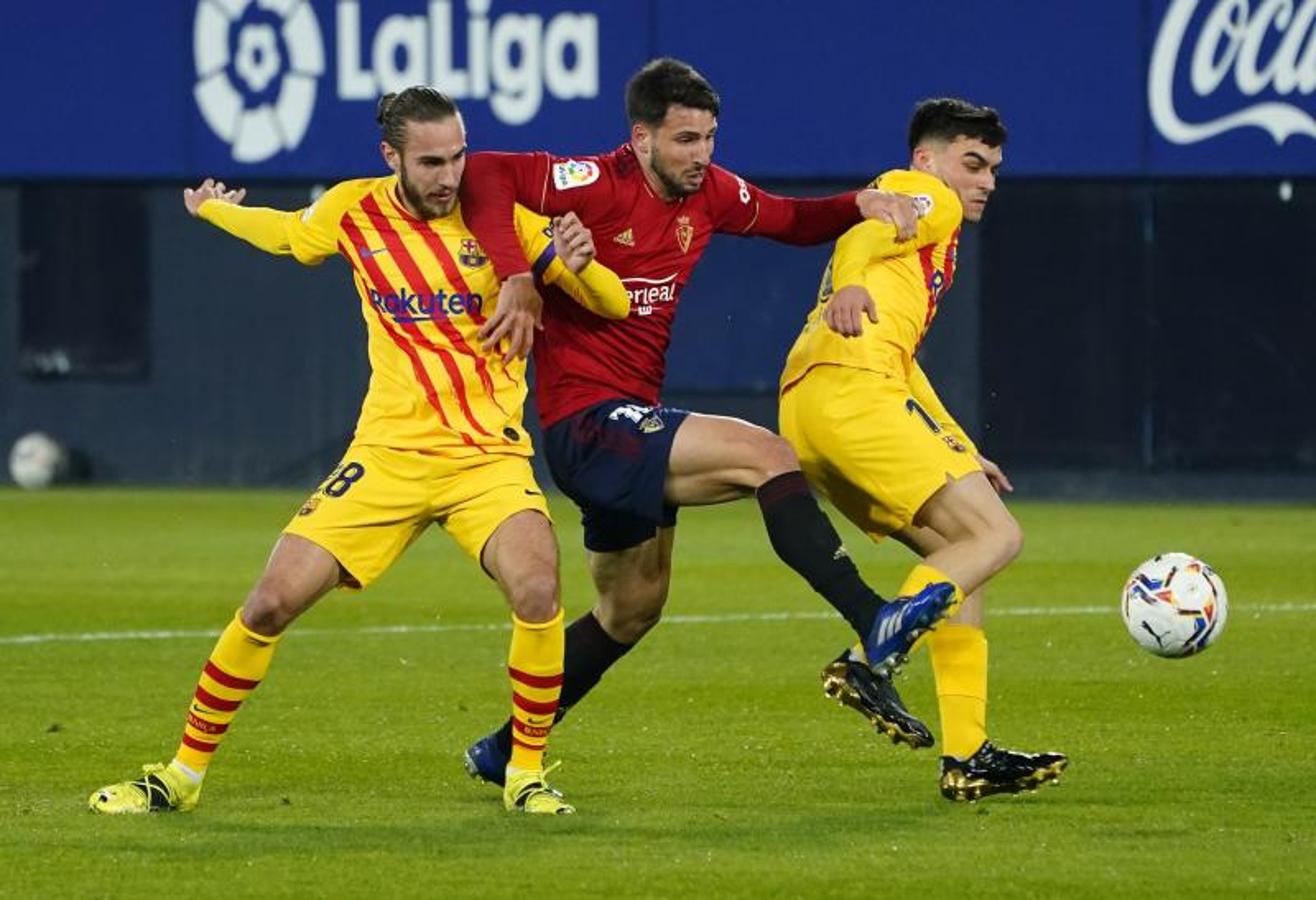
point(286, 88)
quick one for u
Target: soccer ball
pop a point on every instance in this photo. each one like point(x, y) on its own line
point(37, 460)
point(1174, 605)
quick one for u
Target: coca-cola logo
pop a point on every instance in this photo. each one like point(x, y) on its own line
point(1234, 49)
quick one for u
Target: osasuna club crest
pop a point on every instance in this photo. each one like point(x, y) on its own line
point(685, 232)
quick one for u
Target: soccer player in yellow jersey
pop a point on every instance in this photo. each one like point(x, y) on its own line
point(439, 438)
point(872, 435)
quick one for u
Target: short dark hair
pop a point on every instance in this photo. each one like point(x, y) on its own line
point(663, 82)
point(417, 103)
point(946, 118)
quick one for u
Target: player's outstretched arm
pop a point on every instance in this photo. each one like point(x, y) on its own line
point(271, 230)
point(747, 209)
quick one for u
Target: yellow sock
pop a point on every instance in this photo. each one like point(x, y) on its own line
point(959, 665)
point(923, 575)
point(236, 665)
point(918, 578)
point(534, 662)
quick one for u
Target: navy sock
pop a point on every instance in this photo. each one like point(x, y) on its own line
point(806, 541)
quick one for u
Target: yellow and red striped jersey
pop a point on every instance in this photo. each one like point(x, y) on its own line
point(906, 281)
point(425, 287)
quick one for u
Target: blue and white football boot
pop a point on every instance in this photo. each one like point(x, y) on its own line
point(485, 761)
point(900, 622)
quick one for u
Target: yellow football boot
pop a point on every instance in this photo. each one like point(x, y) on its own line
point(528, 792)
point(158, 790)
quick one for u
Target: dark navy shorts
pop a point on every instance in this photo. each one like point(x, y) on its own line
point(611, 459)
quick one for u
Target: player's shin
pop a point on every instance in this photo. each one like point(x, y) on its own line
point(805, 540)
point(234, 669)
point(590, 652)
point(534, 663)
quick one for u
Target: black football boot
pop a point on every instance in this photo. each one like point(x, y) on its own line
point(993, 770)
point(853, 684)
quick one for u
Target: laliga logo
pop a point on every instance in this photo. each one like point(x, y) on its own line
point(510, 60)
point(257, 62)
point(1231, 40)
point(256, 65)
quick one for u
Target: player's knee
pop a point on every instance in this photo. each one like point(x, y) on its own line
point(535, 598)
point(775, 456)
point(629, 619)
point(633, 625)
point(270, 608)
point(1008, 542)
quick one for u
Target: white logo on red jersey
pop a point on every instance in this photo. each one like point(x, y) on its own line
point(744, 190)
point(574, 173)
point(645, 293)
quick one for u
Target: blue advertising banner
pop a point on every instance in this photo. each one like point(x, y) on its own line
point(287, 88)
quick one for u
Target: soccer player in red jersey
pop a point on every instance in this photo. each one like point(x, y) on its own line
point(626, 460)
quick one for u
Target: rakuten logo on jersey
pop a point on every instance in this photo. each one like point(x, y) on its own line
point(408, 307)
point(1235, 50)
point(646, 293)
point(511, 59)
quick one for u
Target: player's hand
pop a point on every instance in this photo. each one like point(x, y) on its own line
point(995, 476)
point(516, 317)
point(573, 242)
point(210, 189)
point(898, 209)
point(844, 311)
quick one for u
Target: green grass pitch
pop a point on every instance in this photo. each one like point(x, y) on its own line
point(706, 764)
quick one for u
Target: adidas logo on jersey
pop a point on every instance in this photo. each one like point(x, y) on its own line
point(626, 238)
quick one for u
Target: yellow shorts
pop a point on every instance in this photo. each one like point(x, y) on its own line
point(866, 443)
point(377, 501)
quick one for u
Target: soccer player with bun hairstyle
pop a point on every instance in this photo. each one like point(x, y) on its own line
point(439, 438)
point(872, 435)
point(628, 461)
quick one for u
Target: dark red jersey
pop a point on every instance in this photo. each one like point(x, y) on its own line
point(652, 244)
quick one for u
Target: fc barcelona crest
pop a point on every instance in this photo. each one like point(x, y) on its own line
point(685, 232)
point(472, 257)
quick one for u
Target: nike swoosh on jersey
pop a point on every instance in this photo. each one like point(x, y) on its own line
point(367, 252)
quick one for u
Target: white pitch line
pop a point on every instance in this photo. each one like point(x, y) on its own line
point(727, 619)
